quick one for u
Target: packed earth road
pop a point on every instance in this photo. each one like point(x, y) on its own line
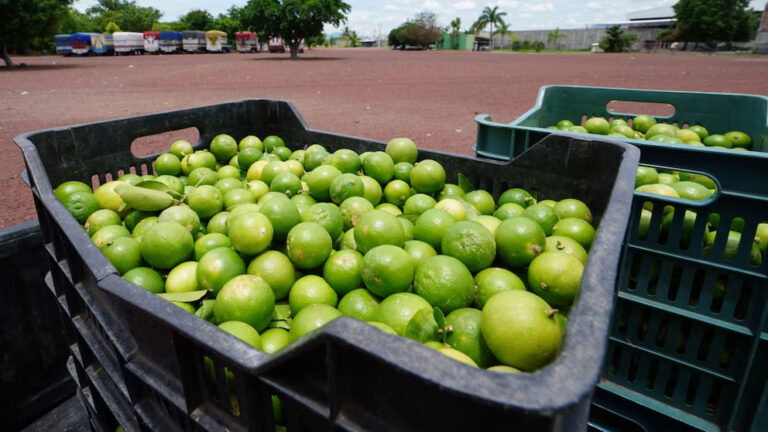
point(429, 96)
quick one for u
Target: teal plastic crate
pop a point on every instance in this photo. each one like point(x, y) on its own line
point(718, 112)
point(688, 345)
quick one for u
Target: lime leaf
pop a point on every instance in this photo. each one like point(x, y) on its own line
point(439, 317)
point(464, 183)
point(205, 311)
point(184, 297)
point(154, 185)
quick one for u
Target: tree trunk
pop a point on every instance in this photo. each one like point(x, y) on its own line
point(491, 36)
point(5, 56)
point(294, 47)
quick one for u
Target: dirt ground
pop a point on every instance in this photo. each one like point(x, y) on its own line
point(431, 97)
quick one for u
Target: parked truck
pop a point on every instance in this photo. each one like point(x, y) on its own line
point(170, 42)
point(89, 44)
point(216, 41)
point(247, 42)
point(128, 43)
point(193, 41)
point(63, 44)
point(152, 42)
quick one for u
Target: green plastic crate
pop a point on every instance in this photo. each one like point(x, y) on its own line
point(688, 345)
point(718, 112)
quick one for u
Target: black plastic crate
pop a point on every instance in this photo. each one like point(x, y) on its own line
point(32, 341)
point(348, 375)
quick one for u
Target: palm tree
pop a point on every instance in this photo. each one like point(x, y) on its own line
point(456, 28)
point(491, 16)
point(347, 35)
point(554, 36)
point(504, 31)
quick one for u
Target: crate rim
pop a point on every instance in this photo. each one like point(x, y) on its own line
point(517, 388)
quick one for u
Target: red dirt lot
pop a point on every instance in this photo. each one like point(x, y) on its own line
point(431, 97)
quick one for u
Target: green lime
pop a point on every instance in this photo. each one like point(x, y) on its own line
point(283, 215)
point(396, 192)
point(131, 179)
point(348, 240)
point(276, 269)
point(360, 304)
point(242, 331)
point(248, 156)
point(577, 229)
point(700, 130)
point(181, 148)
point(377, 228)
point(407, 227)
point(69, 187)
point(219, 223)
point(542, 214)
point(379, 166)
point(167, 164)
point(328, 216)
point(146, 278)
point(238, 196)
point(319, 181)
point(283, 153)
point(250, 233)
point(567, 245)
point(255, 171)
point(312, 318)
point(618, 121)
point(314, 159)
point(422, 327)
point(738, 139)
point(101, 218)
point(123, 252)
point(520, 329)
point(182, 278)
point(518, 196)
point(223, 147)
point(108, 233)
point(274, 339)
point(228, 171)
point(345, 186)
point(418, 204)
point(143, 226)
point(432, 225)
point(458, 356)
point(398, 309)
point(660, 129)
point(691, 190)
point(494, 280)
point(346, 161)
point(308, 245)
point(403, 171)
point(227, 184)
point(646, 175)
point(387, 269)
point(271, 170)
point(371, 189)
point(286, 183)
point(562, 124)
point(272, 142)
point(481, 200)
point(597, 125)
point(454, 207)
point(210, 242)
point(732, 247)
point(310, 290)
point(428, 176)
point(166, 244)
point(471, 243)
point(217, 267)
point(573, 208)
point(419, 251)
point(519, 240)
point(343, 271)
point(82, 204)
point(451, 191)
point(250, 141)
point(444, 282)
point(383, 327)
point(643, 122)
point(352, 209)
point(556, 277)
point(296, 168)
point(206, 201)
point(245, 298)
point(466, 336)
point(402, 150)
point(389, 208)
point(491, 223)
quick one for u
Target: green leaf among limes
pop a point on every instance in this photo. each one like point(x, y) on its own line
point(185, 297)
point(465, 184)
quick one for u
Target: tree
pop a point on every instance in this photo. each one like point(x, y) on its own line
point(554, 37)
point(537, 45)
point(491, 16)
point(197, 19)
point(504, 31)
point(24, 21)
point(714, 20)
point(455, 29)
point(126, 14)
point(616, 40)
point(75, 21)
point(293, 20)
point(422, 30)
point(111, 27)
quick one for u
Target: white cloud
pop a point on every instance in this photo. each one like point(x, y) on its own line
point(544, 7)
point(594, 5)
point(392, 7)
point(465, 5)
point(433, 5)
point(509, 4)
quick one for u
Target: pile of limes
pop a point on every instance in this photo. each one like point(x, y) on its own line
point(696, 187)
point(272, 244)
point(645, 127)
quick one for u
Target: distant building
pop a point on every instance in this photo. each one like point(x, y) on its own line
point(660, 17)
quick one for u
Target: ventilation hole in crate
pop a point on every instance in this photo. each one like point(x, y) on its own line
point(714, 397)
point(653, 276)
point(661, 336)
point(634, 365)
point(108, 177)
point(682, 337)
point(152, 144)
point(696, 288)
point(650, 108)
point(706, 342)
point(693, 387)
point(727, 355)
point(669, 389)
point(145, 170)
point(642, 328)
point(614, 360)
point(685, 125)
point(120, 173)
point(653, 370)
point(95, 181)
point(674, 283)
point(623, 321)
point(132, 169)
point(720, 287)
point(745, 301)
point(634, 271)
point(584, 118)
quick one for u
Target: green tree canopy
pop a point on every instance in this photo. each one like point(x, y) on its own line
point(616, 40)
point(714, 20)
point(25, 22)
point(492, 16)
point(293, 20)
point(126, 14)
point(422, 30)
point(197, 19)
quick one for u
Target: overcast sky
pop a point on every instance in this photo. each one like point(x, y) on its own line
point(371, 16)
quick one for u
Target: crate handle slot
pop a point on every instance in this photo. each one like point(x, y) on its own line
point(633, 108)
point(148, 145)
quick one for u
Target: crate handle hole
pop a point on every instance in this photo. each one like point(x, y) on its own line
point(662, 110)
point(161, 143)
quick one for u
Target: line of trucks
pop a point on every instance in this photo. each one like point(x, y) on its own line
point(163, 42)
